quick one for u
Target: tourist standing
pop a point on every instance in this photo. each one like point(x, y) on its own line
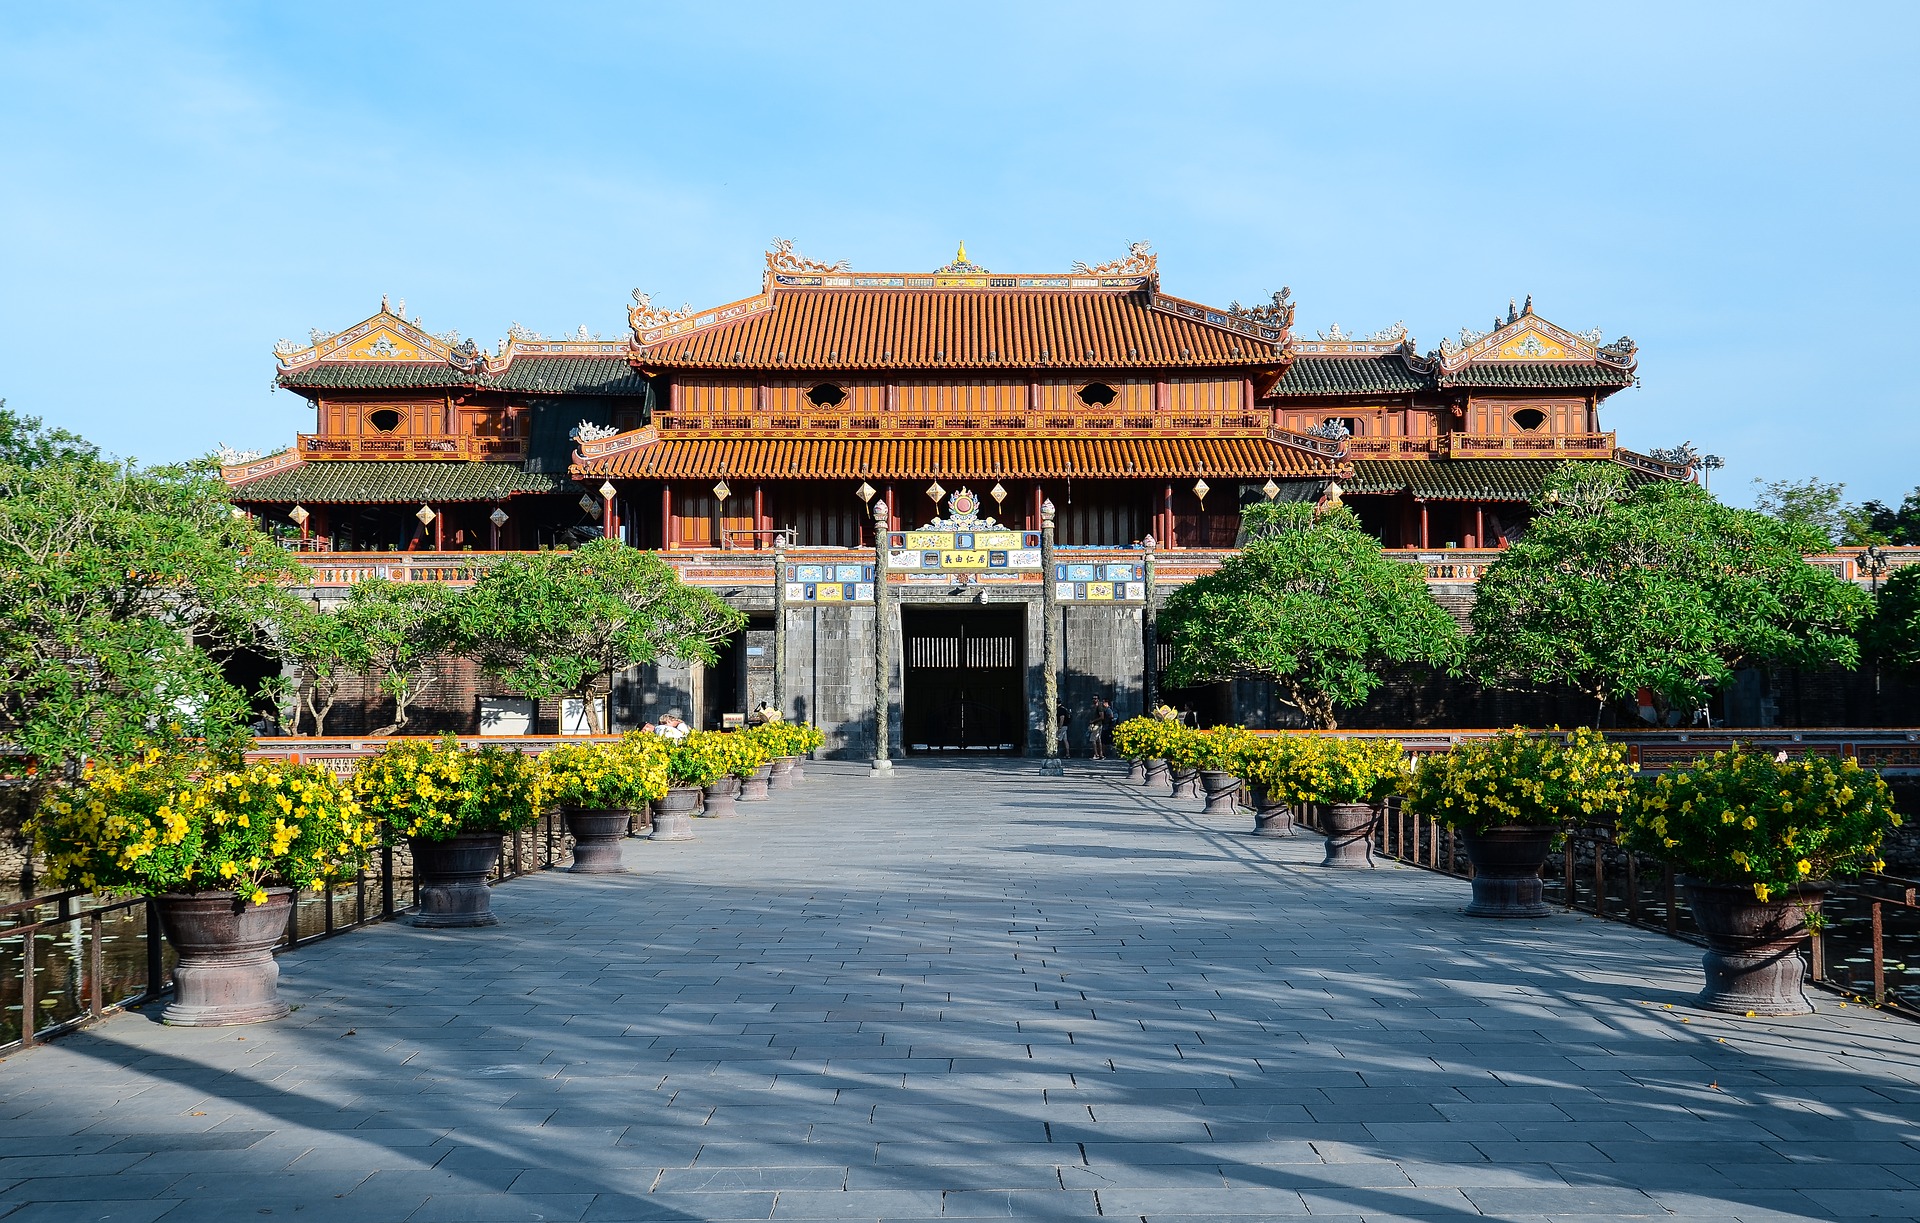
point(1099, 727)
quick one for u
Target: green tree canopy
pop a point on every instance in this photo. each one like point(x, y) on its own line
point(1661, 587)
point(1875, 522)
point(25, 442)
point(1811, 503)
point(1312, 604)
point(397, 633)
point(1893, 632)
point(326, 650)
point(555, 623)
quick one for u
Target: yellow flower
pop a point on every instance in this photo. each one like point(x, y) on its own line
point(1762, 891)
point(1806, 867)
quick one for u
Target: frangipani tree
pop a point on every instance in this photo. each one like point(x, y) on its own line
point(556, 624)
point(1312, 604)
point(1615, 589)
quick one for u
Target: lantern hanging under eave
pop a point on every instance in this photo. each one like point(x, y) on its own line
point(588, 505)
point(721, 491)
point(1200, 490)
point(1271, 489)
point(298, 514)
point(498, 518)
point(998, 492)
point(866, 492)
point(425, 514)
point(935, 492)
point(607, 490)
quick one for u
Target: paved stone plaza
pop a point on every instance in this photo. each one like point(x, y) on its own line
point(972, 992)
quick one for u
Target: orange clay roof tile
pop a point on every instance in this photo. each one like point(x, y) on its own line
point(962, 458)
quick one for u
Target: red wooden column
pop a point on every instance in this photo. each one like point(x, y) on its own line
point(1166, 510)
point(1479, 526)
point(440, 532)
point(893, 509)
point(608, 527)
point(1423, 525)
point(759, 514)
point(1033, 509)
point(667, 525)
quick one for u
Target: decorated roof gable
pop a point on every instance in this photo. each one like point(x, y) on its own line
point(1525, 336)
point(385, 337)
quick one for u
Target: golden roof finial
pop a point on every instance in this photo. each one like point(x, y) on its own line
point(962, 256)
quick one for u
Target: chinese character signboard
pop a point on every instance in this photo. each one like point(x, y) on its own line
point(963, 542)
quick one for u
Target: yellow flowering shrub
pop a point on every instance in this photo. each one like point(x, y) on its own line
point(181, 823)
point(1141, 738)
point(435, 789)
point(1521, 778)
point(619, 776)
point(787, 738)
point(705, 756)
point(1746, 818)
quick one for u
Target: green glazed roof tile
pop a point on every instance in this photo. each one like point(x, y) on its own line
point(1351, 376)
point(539, 375)
point(1539, 374)
point(355, 480)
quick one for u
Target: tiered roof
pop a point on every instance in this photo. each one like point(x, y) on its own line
point(388, 352)
point(817, 316)
point(1524, 352)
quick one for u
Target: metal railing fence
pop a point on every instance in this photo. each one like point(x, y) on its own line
point(69, 958)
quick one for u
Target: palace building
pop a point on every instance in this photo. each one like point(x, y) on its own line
point(963, 400)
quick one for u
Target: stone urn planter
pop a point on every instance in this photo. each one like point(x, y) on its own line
point(754, 789)
point(782, 777)
point(451, 877)
point(1349, 831)
point(1222, 789)
point(1156, 774)
point(1186, 783)
point(799, 769)
point(1271, 817)
point(1506, 870)
point(1753, 958)
point(1137, 772)
point(720, 795)
point(596, 840)
point(227, 973)
point(673, 815)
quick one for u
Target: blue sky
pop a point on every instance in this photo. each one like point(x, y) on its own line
point(1731, 185)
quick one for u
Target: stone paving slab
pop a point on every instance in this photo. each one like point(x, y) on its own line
point(973, 993)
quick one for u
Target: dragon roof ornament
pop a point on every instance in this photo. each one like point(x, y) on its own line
point(1140, 260)
point(1524, 336)
point(783, 258)
point(1278, 313)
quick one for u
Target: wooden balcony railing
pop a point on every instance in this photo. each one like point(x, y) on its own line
point(746, 566)
point(494, 449)
point(1530, 445)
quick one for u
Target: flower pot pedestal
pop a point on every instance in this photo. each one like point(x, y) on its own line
point(720, 795)
point(782, 777)
point(1186, 783)
point(1506, 871)
point(673, 815)
point(1753, 961)
point(1137, 772)
point(1271, 817)
point(227, 973)
point(1222, 789)
point(754, 789)
point(1157, 773)
point(1349, 832)
point(451, 877)
point(596, 840)
point(799, 768)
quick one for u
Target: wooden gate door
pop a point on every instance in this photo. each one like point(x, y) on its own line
point(964, 672)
